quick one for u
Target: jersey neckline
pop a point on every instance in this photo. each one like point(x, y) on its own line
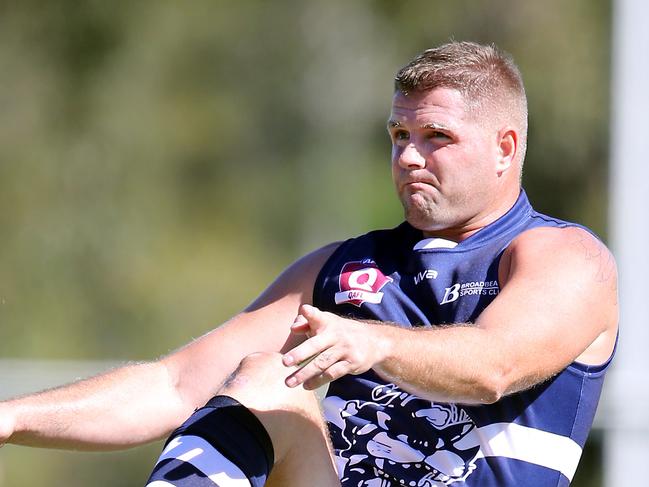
point(513, 218)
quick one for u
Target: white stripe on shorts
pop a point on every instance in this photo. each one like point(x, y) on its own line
point(199, 453)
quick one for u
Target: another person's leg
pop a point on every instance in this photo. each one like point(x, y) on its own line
point(224, 444)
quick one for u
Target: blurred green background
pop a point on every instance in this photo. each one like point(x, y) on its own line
point(161, 162)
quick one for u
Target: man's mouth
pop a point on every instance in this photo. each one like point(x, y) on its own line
point(417, 185)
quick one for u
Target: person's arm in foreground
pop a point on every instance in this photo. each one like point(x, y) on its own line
point(142, 402)
point(558, 304)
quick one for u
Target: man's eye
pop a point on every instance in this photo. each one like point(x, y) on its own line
point(401, 135)
point(438, 135)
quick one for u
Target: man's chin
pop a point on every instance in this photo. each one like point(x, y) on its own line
point(426, 222)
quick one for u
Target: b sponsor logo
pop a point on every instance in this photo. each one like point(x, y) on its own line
point(361, 282)
point(456, 291)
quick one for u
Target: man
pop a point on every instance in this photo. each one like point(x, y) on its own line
point(466, 346)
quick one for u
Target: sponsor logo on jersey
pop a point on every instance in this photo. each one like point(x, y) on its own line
point(361, 282)
point(427, 274)
point(483, 288)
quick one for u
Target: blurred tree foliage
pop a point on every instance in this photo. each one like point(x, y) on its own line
point(161, 162)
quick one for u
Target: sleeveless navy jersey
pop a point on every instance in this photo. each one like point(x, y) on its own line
point(384, 436)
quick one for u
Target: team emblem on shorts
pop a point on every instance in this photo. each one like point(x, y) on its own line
point(361, 282)
point(435, 446)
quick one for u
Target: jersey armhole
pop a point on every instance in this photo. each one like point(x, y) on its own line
point(595, 370)
point(319, 282)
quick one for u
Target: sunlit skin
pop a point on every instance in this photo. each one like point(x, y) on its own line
point(455, 170)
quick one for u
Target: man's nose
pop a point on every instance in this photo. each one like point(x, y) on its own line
point(411, 158)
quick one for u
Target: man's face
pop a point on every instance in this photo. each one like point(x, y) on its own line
point(444, 162)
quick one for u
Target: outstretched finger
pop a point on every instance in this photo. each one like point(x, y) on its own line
point(313, 367)
point(336, 371)
point(306, 350)
point(316, 317)
point(300, 325)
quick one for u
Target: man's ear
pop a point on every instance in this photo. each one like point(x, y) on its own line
point(507, 149)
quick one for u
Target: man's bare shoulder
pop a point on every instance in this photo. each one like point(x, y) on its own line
point(570, 246)
point(570, 259)
point(566, 279)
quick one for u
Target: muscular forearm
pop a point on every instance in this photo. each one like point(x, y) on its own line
point(459, 363)
point(125, 407)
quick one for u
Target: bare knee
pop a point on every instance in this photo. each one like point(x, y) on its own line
point(258, 382)
point(261, 364)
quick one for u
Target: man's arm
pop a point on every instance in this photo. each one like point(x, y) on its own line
point(558, 304)
point(139, 403)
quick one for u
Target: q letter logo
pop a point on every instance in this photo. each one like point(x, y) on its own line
point(361, 282)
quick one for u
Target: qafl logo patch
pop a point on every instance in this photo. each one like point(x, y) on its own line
point(361, 282)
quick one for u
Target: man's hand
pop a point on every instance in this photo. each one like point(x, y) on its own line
point(336, 347)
